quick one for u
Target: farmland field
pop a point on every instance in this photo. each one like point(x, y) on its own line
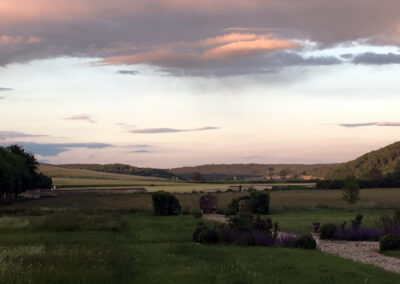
point(65, 178)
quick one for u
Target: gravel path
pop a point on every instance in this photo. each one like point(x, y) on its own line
point(365, 252)
point(216, 217)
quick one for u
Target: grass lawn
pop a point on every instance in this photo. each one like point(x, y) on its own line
point(140, 248)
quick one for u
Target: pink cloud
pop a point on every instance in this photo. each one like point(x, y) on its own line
point(223, 47)
point(232, 37)
point(152, 57)
point(11, 41)
point(244, 48)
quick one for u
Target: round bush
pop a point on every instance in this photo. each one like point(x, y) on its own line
point(164, 203)
point(389, 242)
point(200, 228)
point(259, 202)
point(327, 231)
point(306, 242)
point(208, 236)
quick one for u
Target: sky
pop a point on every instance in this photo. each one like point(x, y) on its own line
point(169, 83)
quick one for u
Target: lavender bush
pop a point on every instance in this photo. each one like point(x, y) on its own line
point(245, 230)
point(360, 234)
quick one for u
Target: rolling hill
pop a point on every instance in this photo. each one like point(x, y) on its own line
point(121, 169)
point(385, 160)
point(244, 171)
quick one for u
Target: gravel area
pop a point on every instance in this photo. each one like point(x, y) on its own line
point(365, 252)
point(216, 217)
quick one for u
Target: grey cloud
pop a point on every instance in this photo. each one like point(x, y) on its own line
point(128, 72)
point(53, 149)
point(104, 29)
point(270, 63)
point(347, 56)
point(83, 117)
point(15, 134)
point(351, 125)
point(141, 151)
point(142, 146)
point(377, 59)
point(170, 130)
point(5, 89)
point(1, 98)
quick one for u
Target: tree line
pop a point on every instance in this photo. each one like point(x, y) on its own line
point(374, 178)
point(18, 173)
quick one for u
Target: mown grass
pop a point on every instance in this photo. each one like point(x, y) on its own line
point(152, 249)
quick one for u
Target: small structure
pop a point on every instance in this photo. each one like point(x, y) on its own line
point(31, 194)
point(234, 188)
point(208, 204)
point(259, 187)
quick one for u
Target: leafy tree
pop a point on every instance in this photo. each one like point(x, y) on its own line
point(196, 176)
point(259, 202)
point(18, 172)
point(351, 190)
point(164, 203)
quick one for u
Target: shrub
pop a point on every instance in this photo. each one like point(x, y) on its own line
point(198, 214)
point(327, 231)
point(233, 207)
point(351, 190)
point(306, 242)
point(208, 236)
point(389, 242)
point(356, 223)
point(200, 228)
point(164, 203)
point(361, 234)
point(391, 225)
point(259, 202)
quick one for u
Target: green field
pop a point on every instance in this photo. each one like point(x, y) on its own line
point(114, 238)
point(140, 248)
point(295, 209)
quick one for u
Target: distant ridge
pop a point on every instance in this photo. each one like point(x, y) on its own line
point(384, 159)
point(121, 169)
point(221, 171)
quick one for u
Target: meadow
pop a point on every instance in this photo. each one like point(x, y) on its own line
point(114, 247)
point(115, 238)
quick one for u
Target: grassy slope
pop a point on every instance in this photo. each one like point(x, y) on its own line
point(159, 250)
point(385, 159)
point(318, 170)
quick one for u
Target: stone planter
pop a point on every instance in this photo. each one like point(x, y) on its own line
point(316, 237)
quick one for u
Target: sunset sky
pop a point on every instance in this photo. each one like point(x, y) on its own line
point(166, 83)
